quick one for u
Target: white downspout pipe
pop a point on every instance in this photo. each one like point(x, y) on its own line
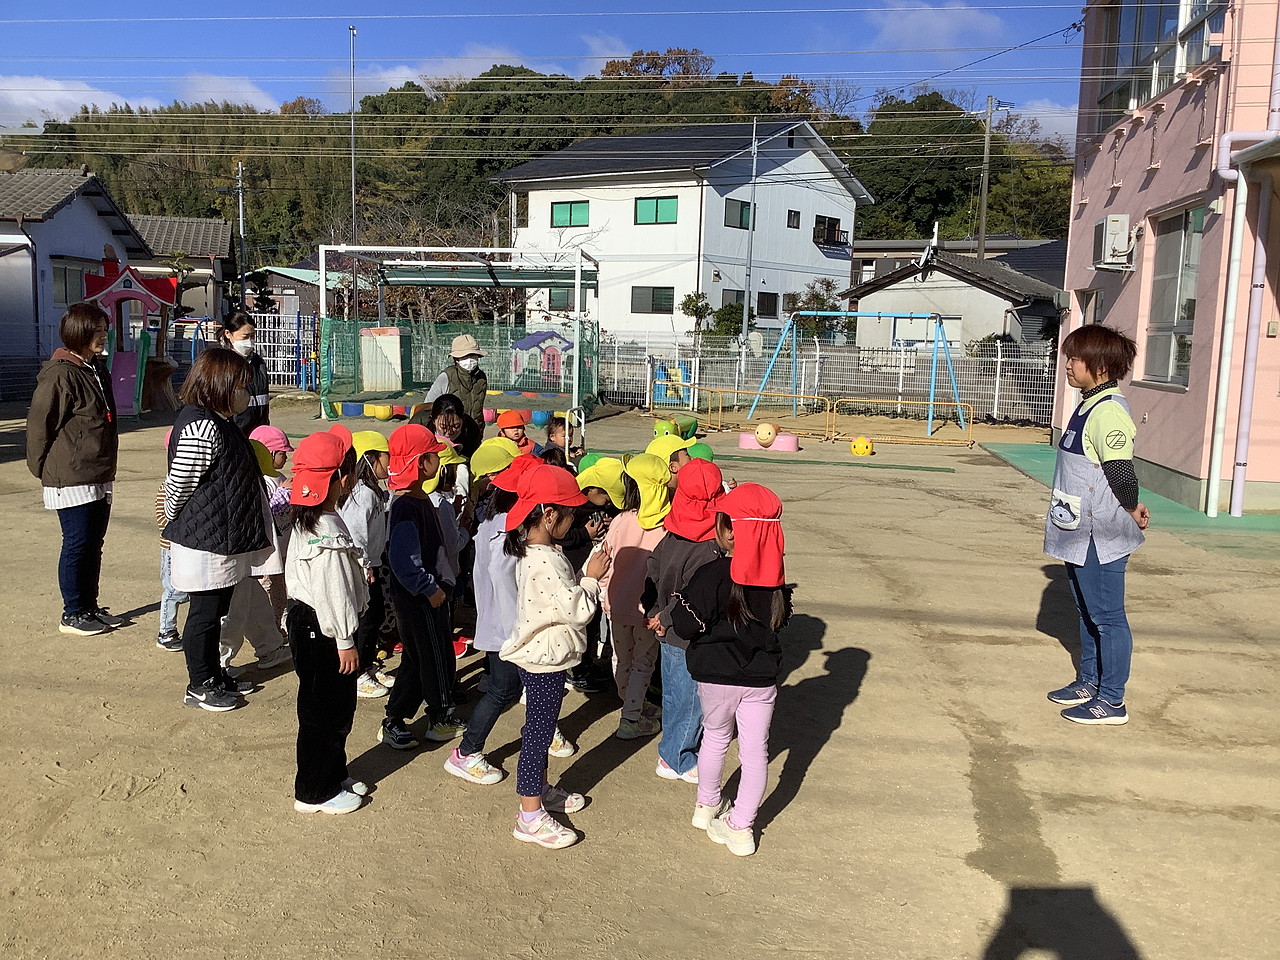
point(1249, 372)
point(1218, 440)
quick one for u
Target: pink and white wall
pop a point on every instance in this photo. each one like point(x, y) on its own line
point(1164, 86)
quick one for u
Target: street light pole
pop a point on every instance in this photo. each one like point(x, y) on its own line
point(751, 234)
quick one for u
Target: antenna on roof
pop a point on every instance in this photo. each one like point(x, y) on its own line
point(930, 249)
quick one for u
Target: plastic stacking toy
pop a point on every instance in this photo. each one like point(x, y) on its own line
point(353, 409)
point(490, 414)
point(782, 442)
point(379, 411)
point(541, 418)
point(862, 447)
point(766, 433)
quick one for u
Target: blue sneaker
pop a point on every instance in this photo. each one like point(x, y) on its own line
point(1097, 710)
point(1077, 691)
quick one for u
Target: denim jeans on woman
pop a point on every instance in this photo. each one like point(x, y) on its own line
point(1106, 643)
point(84, 529)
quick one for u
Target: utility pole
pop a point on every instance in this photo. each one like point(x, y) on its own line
point(354, 235)
point(240, 202)
point(751, 235)
point(992, 105)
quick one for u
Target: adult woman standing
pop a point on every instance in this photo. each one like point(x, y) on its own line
point(216, 504)
point(463, 378)
point(237, 334)
point(72, 448)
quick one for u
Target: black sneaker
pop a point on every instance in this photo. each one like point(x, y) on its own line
point(102, 614)
point(82, 625)
point(237, 688)
point(211, 696)
point(396, 735)
point(170, 641)
point(585, 682)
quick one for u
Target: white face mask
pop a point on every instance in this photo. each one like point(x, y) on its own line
point(245, 348)
point(469, 363)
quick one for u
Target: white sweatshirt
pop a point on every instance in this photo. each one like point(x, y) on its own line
point(365, 516)
point(323, 570)
point(552, 612)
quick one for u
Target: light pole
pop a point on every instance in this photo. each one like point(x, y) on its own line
point(992, 105)
point(354, 234)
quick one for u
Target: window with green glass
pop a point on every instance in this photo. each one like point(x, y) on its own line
point(570, 213)
point(737, 214)
point(655, 209)
point(560, 298)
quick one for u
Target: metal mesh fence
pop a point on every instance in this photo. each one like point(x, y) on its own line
point(1002, 381)
point(364, 359)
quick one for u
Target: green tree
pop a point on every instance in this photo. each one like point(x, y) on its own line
point(698, 308)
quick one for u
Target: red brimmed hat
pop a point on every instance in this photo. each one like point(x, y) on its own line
point(544, 484)
point(758, 545)
point(699, 487)
point(407, 445)
point(509, 479)
point(315, 461)
point(511, 418)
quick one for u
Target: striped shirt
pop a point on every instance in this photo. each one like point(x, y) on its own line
point(198, 446)
point(59, 498)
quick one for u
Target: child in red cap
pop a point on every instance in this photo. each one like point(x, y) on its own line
point(421, 583)
point(553, 608)
point(731, 613)
point(689, 545)
point(327, 585)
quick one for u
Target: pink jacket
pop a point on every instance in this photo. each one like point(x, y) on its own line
point(622, 586)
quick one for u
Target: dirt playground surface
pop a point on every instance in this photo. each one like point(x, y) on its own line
point(925, 800)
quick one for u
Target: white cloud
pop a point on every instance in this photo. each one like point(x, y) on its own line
point(1056, 119)
point(202, 87)
point(949, 27)
point(37, 99)
point(601, 48)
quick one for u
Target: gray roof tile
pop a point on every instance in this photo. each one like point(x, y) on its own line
point(39, 194)
point(194, 236)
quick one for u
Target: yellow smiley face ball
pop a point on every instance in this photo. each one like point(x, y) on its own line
point(766, 433)
point(861, 447)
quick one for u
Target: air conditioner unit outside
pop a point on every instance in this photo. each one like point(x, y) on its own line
point(1112, 249)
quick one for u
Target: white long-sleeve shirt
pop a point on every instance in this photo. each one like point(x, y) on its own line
point(365, 514)
point(553, 609)
point(323, 570)
point(495, 586)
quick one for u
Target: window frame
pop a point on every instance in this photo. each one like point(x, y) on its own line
point(793, 219)
point(742, 205)
point(654, 307)
point(760, 309)
point(572, 211)
point(59, 283)
point(1169, 340)
point(1125, 83)
point(657, 211)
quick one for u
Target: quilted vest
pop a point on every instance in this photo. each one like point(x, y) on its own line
point(470, 388)
point(226, 514)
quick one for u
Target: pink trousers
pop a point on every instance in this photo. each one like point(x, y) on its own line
point(750, 711)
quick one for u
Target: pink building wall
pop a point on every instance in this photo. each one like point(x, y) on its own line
point(1160, 160)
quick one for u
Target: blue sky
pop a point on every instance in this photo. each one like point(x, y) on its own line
point(88, 53)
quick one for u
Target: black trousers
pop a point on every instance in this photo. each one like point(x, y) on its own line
point(326, 708)
point(202, 631)
point(427, 665)
point(370, 629)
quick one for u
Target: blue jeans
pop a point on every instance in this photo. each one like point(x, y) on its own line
point(169, 597)
point(1106, 643)
point(84, 528)
point(681, 712)
point(504, 690)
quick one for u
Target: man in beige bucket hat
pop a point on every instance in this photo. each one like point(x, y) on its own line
point(464, 378)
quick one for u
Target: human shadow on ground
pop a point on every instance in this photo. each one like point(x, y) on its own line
point(1058, 616)
point(592, 766)
point(380, 761)
point(1067, 922)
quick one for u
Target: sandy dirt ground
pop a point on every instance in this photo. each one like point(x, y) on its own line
point(925, 800)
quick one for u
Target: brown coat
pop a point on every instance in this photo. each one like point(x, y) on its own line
point(71, 426)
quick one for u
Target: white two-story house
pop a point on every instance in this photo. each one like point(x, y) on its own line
point(667, 214)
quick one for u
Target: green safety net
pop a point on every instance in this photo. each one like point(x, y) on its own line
point(395, 361)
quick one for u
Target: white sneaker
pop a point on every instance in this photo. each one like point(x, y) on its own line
point(544, 831)
point(344, 802)
point(280, 655)
point(703, 814)
point(358, 787)
point(473, 769)
point(668, 773)
point(384, 678)
point(741, 842)
point(367, 688)
point(560, 746)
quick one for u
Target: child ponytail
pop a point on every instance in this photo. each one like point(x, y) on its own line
point(516, 544)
